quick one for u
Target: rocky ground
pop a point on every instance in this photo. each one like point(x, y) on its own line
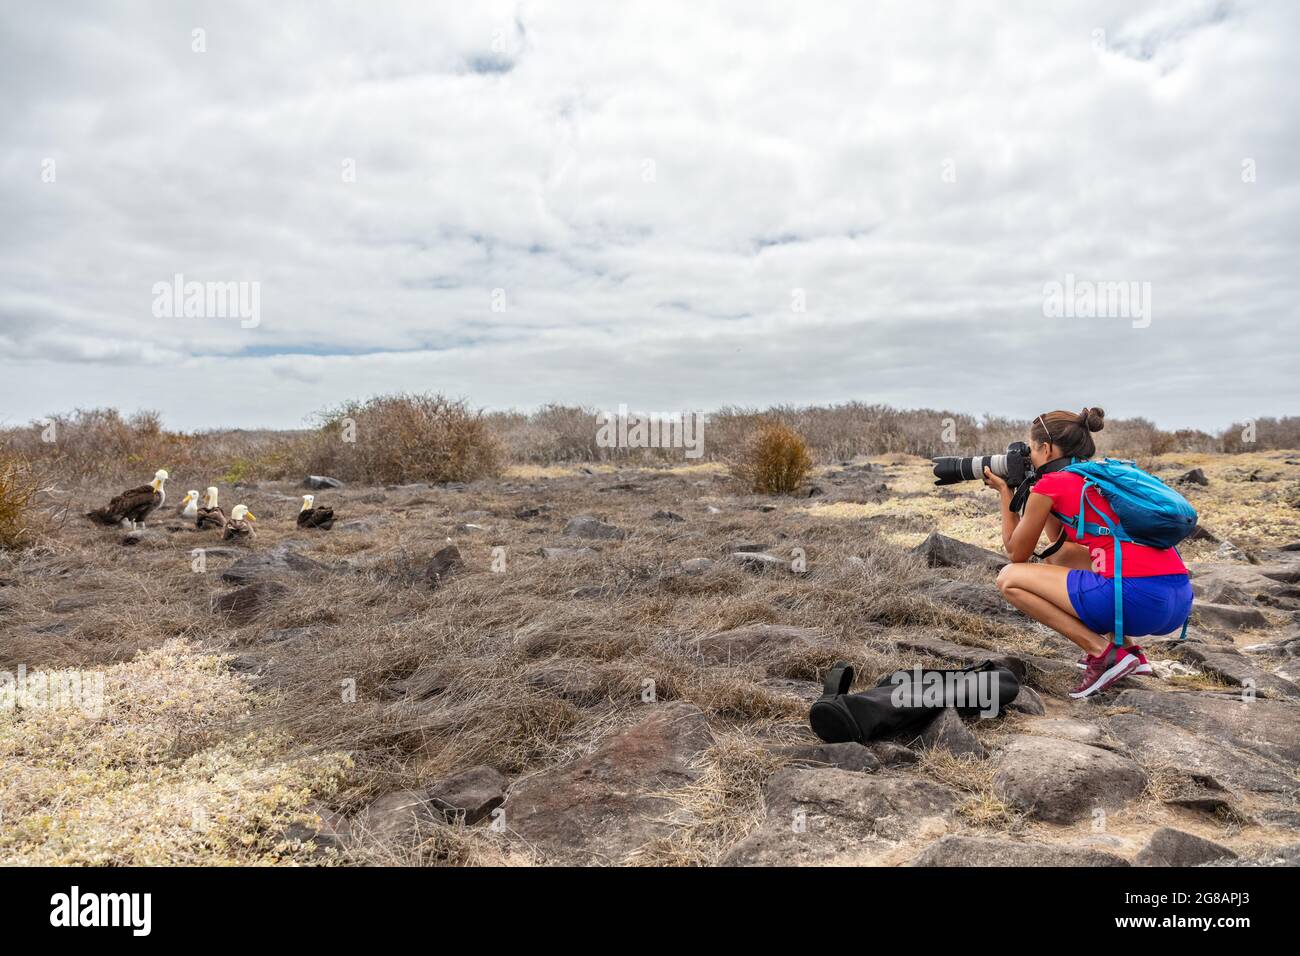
point(614, 665)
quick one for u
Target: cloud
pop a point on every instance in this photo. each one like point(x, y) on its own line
point(658, 204)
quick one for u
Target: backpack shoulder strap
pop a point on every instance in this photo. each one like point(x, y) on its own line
point(838, 679)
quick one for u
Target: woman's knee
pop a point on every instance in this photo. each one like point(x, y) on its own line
point(1008, 577)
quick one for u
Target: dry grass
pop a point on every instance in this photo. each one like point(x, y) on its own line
point(774, 461)
point(972, 776)
point(720, 808)
point(445, 679)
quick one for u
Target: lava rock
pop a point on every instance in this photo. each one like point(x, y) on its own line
point(571, 680)
point(395, 818)
point(1067, 728)
point(248, 603)
point(845, 756)
point(696, 566)
point(768, 644)
point(1170, 847)
point(1061, 781)
point(829, 816)
point(1234, 668)
point(261, 565)
point(1227, 617)
point(758, 562)
point(941, 551)
point(585, 526)
point(1029, 702)
point(981, 851)
point(948, 732)
point(150, 536)
point(1269, 728)
point(602, 807)
point(891, 754)
point(469, 795)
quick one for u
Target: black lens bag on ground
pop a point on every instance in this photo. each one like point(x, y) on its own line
point(904, 702)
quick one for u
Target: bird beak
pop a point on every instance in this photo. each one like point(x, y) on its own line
point(250, 516)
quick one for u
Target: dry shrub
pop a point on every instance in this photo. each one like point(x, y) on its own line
point(775, 461)
point(104, 445)
point(100, 441)
point(834, 433)
point(404, 438)
point(1261, 434)
point(18, 487)
point(551, 434)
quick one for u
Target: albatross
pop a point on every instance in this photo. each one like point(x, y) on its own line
point(189, 505)
point(210, 516)
point(134, 504)
point(312, 517)
point(240, 525)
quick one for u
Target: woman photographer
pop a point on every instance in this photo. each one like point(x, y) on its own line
point(1072, 590)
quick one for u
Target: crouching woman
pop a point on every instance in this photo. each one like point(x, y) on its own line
point(1072, 590)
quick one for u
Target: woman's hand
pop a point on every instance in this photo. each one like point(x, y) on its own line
point(1009, 518)
point(997, 484)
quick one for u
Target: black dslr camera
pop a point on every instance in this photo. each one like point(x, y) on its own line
point(1014, 467)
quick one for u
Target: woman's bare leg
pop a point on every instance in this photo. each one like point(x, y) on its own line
point(1076, 557)
point(1040, 591)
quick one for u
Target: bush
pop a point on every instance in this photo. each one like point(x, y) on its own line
point(392, 439)
point(18, 487)
point(775, 460)
point(99, 441)
point(1262, 434)
point(553, 433)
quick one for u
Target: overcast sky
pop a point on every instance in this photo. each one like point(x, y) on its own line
point(670, 205)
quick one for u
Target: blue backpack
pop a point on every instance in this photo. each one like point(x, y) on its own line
point(1150, 513)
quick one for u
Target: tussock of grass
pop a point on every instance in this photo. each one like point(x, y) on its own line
point(1165, 781)
point(1199, 681)
point(974, 777)
point(774, 461)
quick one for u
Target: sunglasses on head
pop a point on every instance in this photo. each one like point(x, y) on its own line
point(1047, 431)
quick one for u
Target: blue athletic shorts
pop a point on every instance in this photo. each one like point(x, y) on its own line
point(1154, 605)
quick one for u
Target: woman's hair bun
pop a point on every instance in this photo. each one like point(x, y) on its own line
point(1094, 419)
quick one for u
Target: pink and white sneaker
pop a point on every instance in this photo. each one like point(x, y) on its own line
point(1144, 667)
point(1103, 670)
